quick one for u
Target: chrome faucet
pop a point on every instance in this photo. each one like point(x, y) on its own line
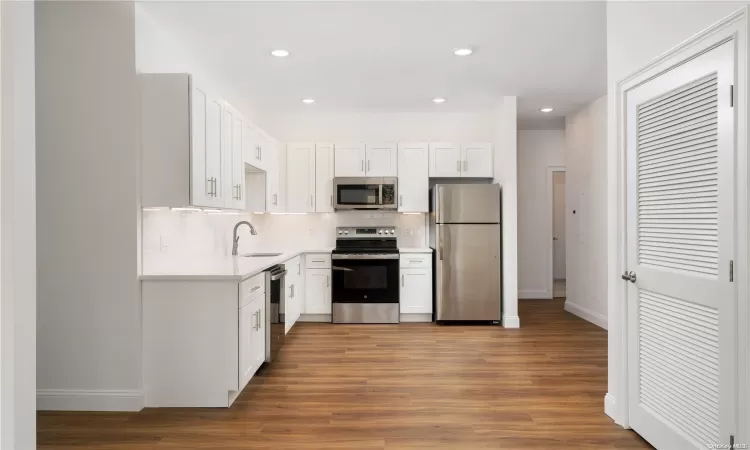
point(236, 239)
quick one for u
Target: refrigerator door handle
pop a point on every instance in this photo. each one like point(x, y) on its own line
point(441, 207)
point(440, 243)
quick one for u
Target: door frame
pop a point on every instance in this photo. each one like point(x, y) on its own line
point(735, 26)
point(551, 229)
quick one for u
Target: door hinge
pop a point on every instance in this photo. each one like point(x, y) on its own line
point(731, 96)
point(731, 271)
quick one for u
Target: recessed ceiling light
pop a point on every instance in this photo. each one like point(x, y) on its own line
point(438, 100)
point(463, 52)
point(280, 53)
point(308, 100)
point(547, 109)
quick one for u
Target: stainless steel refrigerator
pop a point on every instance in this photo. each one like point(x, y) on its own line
point(465, 233)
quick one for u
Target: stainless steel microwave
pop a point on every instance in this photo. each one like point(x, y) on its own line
point(365, 193)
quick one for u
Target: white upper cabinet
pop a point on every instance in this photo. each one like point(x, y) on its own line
point(450, 160)
point(272, 166)
point(413, 177)
point(381, 160)
point(350, 160)
point(477, 160)
point(300, 177)
point(234, 189)
point(445, 160)
point(182, 152)
point(324, 177)
point(253, 145)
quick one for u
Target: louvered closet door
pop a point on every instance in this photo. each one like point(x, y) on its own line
point(681, 309)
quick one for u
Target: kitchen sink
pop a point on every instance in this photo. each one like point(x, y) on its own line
point(261, 255)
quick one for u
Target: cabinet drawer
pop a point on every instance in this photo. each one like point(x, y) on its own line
point(318, 261)
point(416, 260)
point(252, 288)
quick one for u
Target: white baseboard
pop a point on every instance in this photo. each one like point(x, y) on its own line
point(532, 294)
point(314, 318)
point(511, 321)
point(586, 314)
point(82, 400)
point(610, 406)
point(416, 318)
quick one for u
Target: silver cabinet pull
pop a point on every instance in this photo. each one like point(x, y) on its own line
point(210, 187)
point(328, 280)
point(260, 324)
point(368, 165)
point(319, 260)
point(255, 288)
point(416, 260)
point(275, 199)
point(401, 200)
point(255, 319)
point(291, 294)
point(466, 165)
point(311, 201)
point(363, 165)
point(458, 165)
point(215, 193)
point(402, 281)
point(298, 269)
point(629, 276)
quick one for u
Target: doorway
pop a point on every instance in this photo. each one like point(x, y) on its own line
point(558, 234)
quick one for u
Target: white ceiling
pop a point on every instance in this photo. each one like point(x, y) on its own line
point(397, 56)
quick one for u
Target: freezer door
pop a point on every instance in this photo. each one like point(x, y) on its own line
point(467, 203)
point(467, 275)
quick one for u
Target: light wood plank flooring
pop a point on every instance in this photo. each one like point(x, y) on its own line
point(408, 386)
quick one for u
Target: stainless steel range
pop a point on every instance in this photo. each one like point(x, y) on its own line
point(365, 275)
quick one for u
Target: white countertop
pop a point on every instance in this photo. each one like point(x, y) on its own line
point(415, 250)
point(229, 268)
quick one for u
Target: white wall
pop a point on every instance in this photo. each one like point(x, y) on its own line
point(17, 229)
point(89, 354)
point(638, 32)
point(538, 150)
point(586, 229)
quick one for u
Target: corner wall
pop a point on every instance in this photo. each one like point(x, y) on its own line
point(89, 340)
point(17, 228)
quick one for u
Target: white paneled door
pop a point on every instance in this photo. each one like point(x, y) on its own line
point(350, 160)
point(477, 160)
point(381, 160)
point(445, 160)
point(680, 247)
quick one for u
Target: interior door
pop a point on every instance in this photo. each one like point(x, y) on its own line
point(349, 160)
point(445, 160)
point(381, 160)
point(680, 244)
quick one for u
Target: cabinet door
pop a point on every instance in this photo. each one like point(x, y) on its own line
point(252, 147)
point(349, 160)
point(323, 177)
point(259, 338)
point(317, 291)
point(477, 160)
point(416, 291)
point(246, 346)
point(201, 188)
point(382, 160)
point(214, 156)
point(273, 200)
point(235, 166)
point(300, 193)
point(413, 177)
point(445, 160)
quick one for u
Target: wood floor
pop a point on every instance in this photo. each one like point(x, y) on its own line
point(408, 386)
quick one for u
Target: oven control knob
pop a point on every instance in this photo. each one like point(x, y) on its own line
point(346, 232)
point(392, 231)
point(341, 232)
point(380, 231)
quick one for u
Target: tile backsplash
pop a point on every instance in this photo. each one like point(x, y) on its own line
point(194, 234)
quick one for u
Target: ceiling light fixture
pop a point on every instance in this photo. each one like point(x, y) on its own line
point(546, 110)
point(308, 100)
point(438, 100)
point(280, 53)
point(463, 52)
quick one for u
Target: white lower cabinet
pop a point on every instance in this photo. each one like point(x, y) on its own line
point(295, 292)
point(416, 287)
point(252, 338)
point(317, 291)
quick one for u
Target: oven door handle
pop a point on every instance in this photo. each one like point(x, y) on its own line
point(275, 276)
point(353, 257)
point(345, 269)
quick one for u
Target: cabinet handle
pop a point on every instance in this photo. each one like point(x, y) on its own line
point(255, 288)
point(402, 281)
point(259, 323)
point(215, 193)
point(275, 199)
point(298, 269)
point(458, 165)
point(400, 199)
point(210, 186)
point(368, 165)
point(291, 295)
point(318, 260)
point(328, 280)
point(466, 165)
point(311, 201)
point(363, 165)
